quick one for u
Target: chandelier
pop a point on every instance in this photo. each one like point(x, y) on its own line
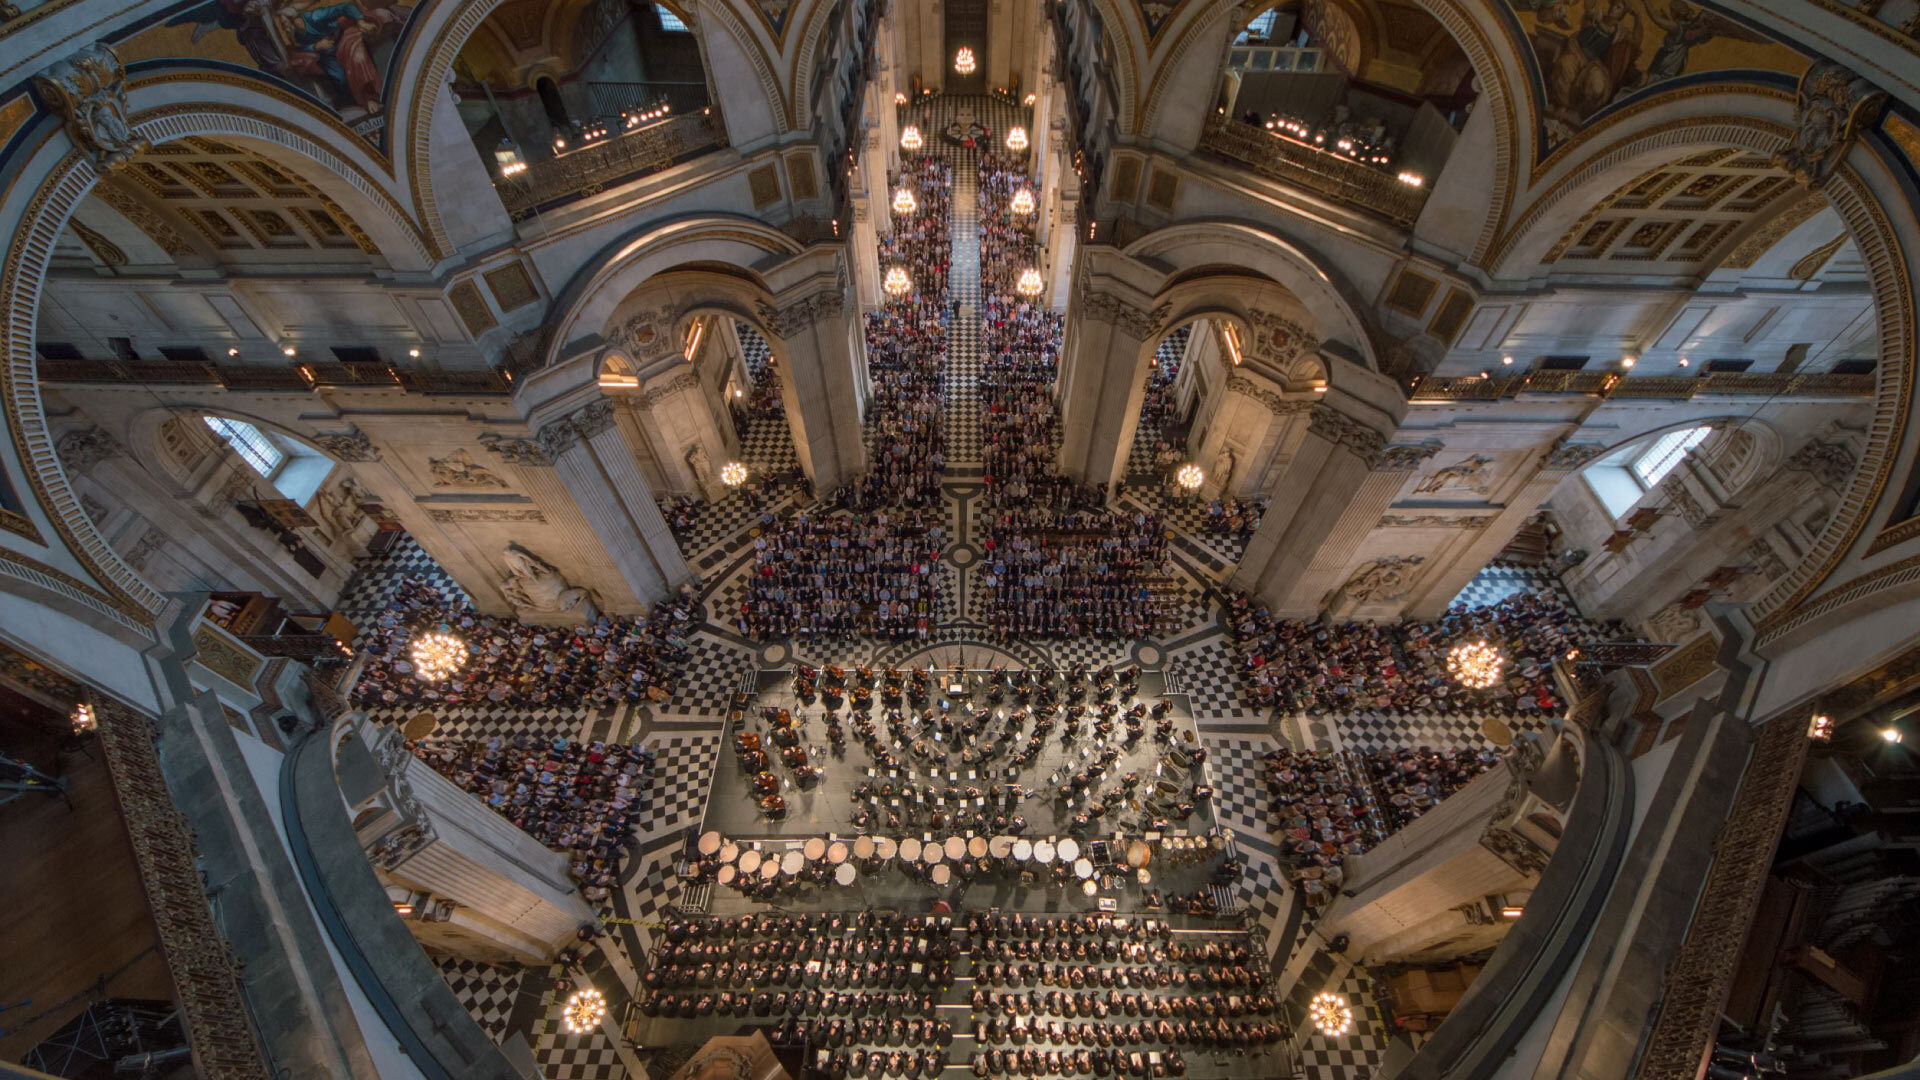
point(585, 1009)
point(1475, 664)
point(1022, 201)
point(963, 61)
point(437, 655)
point(910, 138)
point(1030, 283)
point(1016, 138)
point(1331, 1015)
point(83, 720)
point(897, 282)
point(899, 97)
point(1190, 476)
point(903, 202)
point(733, 474)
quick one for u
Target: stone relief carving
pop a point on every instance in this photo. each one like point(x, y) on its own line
point(150, 541)
point(557, 438)
point(525, 514)
point(95, 510)
point(81, 449)
point(643, 335)
point(515, 451)
point(789, 321)
point(1281, 339)
point(686, 380)
point(1276, 404)
point(1383, 579)
point(1674, 622)
point(459, 470)
point(534, 584)
point(1566, 455)
point(1337, 427)
point(1109, 308)
point(1472, 474)
point(1432, 521)
point(593, 418)
point(1831, 463)
point(1766, 561)
point(349, 445)
point(89, 91)
point(1834, 105)
point(338, 507)
point(1406, 457)
point(1682, 499)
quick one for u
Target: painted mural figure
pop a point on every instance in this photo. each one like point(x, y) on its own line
point(321, 45)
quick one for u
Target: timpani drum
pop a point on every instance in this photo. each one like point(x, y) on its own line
point(1138, 853)
point(750, 861)
point(769, 870)
point(956, 848)
point(977, 847)
point(885, 848)
point(942, 874)
point(844, 875)
point(863, 848)
point(1090, 887)
point(1069, 849)
point(1043, 852)
point(792, 863)
point(1022, 850)
point(1083, 868)
point(728, 873)
point(1000, 847)
point(729, 852)
point(910, 849)
point(815, 849)
point(932, 854)
point(837, 853)
point(710, 844)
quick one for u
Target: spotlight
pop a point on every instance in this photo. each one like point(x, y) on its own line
point(288, 350)
point(910, 138)
point(1684, 362)
point(1512, 911)
point(1506, 361)
point(1016, 138)
point(1891, 734)
point(233, 352)
point(1411, 179)
point(413, 353)
point(1031, 98)
point(963, 61)
point(1627, 361)
point(899, 98)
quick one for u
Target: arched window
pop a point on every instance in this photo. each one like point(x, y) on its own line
point(250, 443)
point(295, 470)
point(1667, 452)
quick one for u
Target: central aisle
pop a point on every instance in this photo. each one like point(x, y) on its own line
point(963, 331)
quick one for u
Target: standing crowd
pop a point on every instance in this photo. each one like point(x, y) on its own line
point(833, 576)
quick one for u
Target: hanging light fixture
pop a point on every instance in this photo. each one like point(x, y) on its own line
point(1022, 201)
point(437, 655)
point(83, 719)
point(897, 282)
point(1030, 283)
point(584, 1011)
point(733, 474)
point(963, 61)
point(899, 97)
point(1475, 664)
point(910, 138)
point(1190, 477)
point(903, 202)
point(1331, 1015)
point(1016, 138)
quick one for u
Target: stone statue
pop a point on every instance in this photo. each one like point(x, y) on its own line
point(339, 507)
point(1472, 474)
point(533, 584)
point(1223, 465)
point(702, 468)
point(1382, 579)
point(89, 91)
point(1834, 105)
point(458, 469)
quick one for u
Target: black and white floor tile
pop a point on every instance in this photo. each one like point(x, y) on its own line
point(1238, 773)
point(682, 773)
point(1350, 1056)
point(486, 721)
point(375, 577)
point(1209, 672)
point(708, 677)
point(487, 992)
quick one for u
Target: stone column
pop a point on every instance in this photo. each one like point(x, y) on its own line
point(1433, 595)
point(592, 459)
point(1103, 368)
point(1332, 464)
point(821, 353)
point(1377, 491)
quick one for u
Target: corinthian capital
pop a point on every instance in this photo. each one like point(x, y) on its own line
point(1335, 426)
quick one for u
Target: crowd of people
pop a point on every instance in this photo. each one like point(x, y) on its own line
point(1074, 573)
point(609, 661)
point(581, 798)
point(837, 575)
point(907, 351)
point(1329, 806)
point(1319, 666)
point(1020, 345)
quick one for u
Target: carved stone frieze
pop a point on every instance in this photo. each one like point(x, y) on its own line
point(1834, 105)
point(1107, 307)
point(643, 335)
point(557, 438)
point(349, 445)
point(1567, 456)
point(593, 418)
point(515, 451)
point(1406, 457)
point(1473, 474)
point(1281, 339)
point(1432, 521)
point(1335, 426)
point(84, 448)
point(790, 321)
point(1681, 498)
point(1766, 561)
point(89, 91)
point(1831, 463)
point(525, 514)
point(1387, 578)
point(459, 470)
point(1275, 403)
point(686, 380)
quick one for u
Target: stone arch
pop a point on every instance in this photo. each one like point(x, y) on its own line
point(146, 438)
point(52, 179)
point(434, 40)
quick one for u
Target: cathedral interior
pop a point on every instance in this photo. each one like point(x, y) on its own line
point(885, 539)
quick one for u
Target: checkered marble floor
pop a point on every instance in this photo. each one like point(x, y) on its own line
point(961, 419)
point(487, 721)
point(1375, 731)
point(1352, 1056)
point(376, 576)
point(1235, 765)
point(682, 770)
point(487, 992)
point(572, 1057)
point(1171, 350)
point(1209, 672)
point(707, 678)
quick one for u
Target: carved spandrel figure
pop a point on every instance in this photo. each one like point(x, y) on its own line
point(339, 507)
point(89, 90)
point(533, 584)
point(1382, 579)
point(1474, 474)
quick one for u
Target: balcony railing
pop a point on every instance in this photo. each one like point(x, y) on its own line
point(275, 376)
point(1346, 182)
point(619, 158)
point(1660, 387)
point(1276, 58)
